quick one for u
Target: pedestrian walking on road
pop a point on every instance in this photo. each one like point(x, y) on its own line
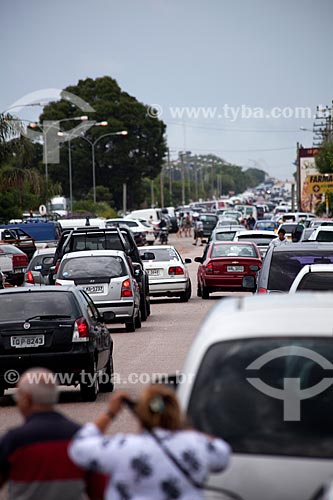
point(198, 232)
point(33, 457)
point(142, 466)
point(280, 240)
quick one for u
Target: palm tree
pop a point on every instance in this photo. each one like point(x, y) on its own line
point(9, 127)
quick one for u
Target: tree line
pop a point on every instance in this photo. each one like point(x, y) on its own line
point(137, 160)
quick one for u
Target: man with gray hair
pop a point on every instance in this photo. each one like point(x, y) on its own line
point(33, 457)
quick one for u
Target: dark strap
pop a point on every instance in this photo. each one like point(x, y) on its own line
point(186, 473)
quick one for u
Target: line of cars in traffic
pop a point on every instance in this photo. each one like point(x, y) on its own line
point(92, 278)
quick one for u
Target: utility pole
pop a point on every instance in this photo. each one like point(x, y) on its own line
point(181, 154)
point(162, 188)
point(124, 197)
point(152, 193)
point(170, 177)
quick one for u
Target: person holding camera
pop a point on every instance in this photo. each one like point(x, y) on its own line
point(163, 461)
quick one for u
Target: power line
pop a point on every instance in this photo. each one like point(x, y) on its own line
point(224, 129)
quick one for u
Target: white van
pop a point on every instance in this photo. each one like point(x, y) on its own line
point(146, 213)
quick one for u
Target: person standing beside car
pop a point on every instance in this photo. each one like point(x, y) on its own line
point(141, 466)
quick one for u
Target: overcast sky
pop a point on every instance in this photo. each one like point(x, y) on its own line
point(184, 53)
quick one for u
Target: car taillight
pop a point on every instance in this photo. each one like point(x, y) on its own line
point(176, 270)
point(58, 284)
point(262, 290)
point(126, 289)
point(209, 268)
point(29, 278)
point(81, 331)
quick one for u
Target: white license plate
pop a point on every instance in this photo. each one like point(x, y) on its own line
point(20, 270)
point(235, 269)
point(153, 272)
point(27, 341)
point(94, 289)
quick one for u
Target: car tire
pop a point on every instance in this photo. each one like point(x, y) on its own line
point(205, 293)
point(130, 325)
point(2, 391)
point(143, 308)
point(185, 297)
point(199, 292)
point(108, 386)
point(138, 320)
point(90, 391)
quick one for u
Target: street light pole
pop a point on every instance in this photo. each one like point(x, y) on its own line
point(70, 177)
point(93, 144)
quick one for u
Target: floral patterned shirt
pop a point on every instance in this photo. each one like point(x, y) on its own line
point(138, 467)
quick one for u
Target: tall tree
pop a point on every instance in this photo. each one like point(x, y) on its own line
point(119, 159)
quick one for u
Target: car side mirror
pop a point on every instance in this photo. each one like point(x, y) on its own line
point(198, 259)
point(249, 283)
point(138, 272)
point(188, 261)
point(297, 233)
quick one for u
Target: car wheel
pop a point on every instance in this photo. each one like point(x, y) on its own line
point(2, 391)
point(185, 297)
point(138, 319)
point(130, 325)
point(143, 308)
point(89, 385)
point(199, 292)
point(205, 293)
point(107, 385)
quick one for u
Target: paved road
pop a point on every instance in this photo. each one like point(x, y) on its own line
point(160, 346)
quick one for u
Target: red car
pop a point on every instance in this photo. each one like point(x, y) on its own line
point(20, 264)
point(224, 264)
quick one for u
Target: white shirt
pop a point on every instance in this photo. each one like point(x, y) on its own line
point(140, 469)
point(277, 242)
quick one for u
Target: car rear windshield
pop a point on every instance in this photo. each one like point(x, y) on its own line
point(289, 228)
point(209, 218)
point(266, 225)
point(225, 236)
point(21, 306)
point(225, 402)
point(10, 249)
point(259, 239)
point(233, 251)
point(317, 281)
point(286, 265)
point(92, 267)
point(105, 241)
point(163, 254)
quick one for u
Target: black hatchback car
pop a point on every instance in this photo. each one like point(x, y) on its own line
point(58, 328)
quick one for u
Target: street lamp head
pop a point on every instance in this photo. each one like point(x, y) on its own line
point(123, 132)
point(83, 118)
point(61, 134)
point(102, 124)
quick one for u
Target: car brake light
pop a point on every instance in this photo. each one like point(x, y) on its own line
point(126, 290)
point(262, 290)
point(58, 284)
point(81, 331)
point(209, 268)
point(29, 278)
point(176, 270)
